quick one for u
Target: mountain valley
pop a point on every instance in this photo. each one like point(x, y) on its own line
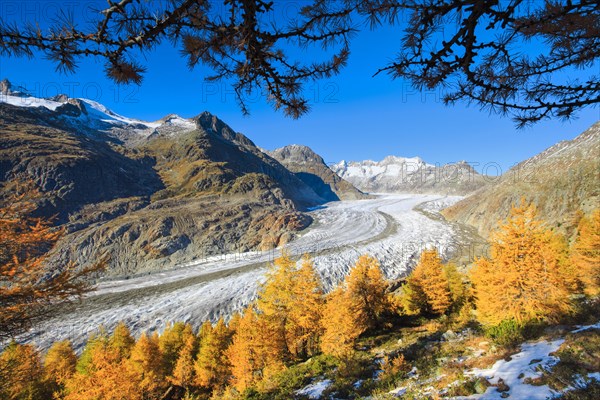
point(188, 212)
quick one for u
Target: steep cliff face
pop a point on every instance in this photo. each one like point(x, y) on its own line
point(146, 195)
point(410, 175)
point(312, 170)
point(561, 180)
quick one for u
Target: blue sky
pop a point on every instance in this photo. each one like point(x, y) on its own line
point(354, 116)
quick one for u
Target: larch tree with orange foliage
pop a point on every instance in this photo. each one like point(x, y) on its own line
point(275, 300)
point(21, 373)
point(340, 324)
point(103, 374)
point(354, 307)
point(585, 253)
point(282, 326)
point(84, 364)
point(524, 279)
point(170, 343)
point(184, 374)
point(367, 290)
point(146, 366)
point(242, 354)
point(256, 353)
point(212, 365)
point(290, 303)
point(27, 286)
point(59, 365)
point(429, 283)
point(121, 340)
point(412, 299)
point(305, 313)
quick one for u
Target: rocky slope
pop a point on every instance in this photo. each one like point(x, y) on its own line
point(410, 175)
point(561, 180)
point(146, 195)
point(312, 170)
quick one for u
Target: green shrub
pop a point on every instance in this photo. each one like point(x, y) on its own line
point(507, 333)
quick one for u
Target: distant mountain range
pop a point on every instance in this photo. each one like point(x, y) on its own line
point(410, 175)
point(151, 195)
point(561, 180)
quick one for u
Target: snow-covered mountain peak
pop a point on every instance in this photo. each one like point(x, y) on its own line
point(18, 96)
point(104, 114)
point(74, 110)
point(409, 175)
point(391, 160)
point(85, 115)
point(177, 121)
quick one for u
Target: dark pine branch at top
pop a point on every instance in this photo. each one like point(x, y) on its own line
point(473, 51)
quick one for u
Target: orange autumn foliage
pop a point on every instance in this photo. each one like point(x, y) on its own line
point(146, 367)
point(59, 364)
point(20, 372)
point(429, 278)
point(341, 326)
point(306, 311)
point(355, 306)
point(367, 291)
point(170, 343)
point(184, 374)
point(212, 365)
point(585, 253)
point(524, 279)
point(27, 287)
point(252, 351)
point(106, 377)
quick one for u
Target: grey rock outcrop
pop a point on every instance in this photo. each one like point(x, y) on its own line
point(312, 170)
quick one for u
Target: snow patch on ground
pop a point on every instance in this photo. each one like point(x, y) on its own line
point(523, 365)
point(314, 390)
point(586, 327)
point(398, 392)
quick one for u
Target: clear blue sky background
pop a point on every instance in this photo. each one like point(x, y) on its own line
point(354, 116)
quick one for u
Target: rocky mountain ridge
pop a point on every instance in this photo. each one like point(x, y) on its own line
point(146, 195)
point(561, 180)
point(312, 170)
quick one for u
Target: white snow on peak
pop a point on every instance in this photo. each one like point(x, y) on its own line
point(104, 114)
point(404, 160)
point(29, 101)
point(176, 120)
point(390, 166)
point(96, 111)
